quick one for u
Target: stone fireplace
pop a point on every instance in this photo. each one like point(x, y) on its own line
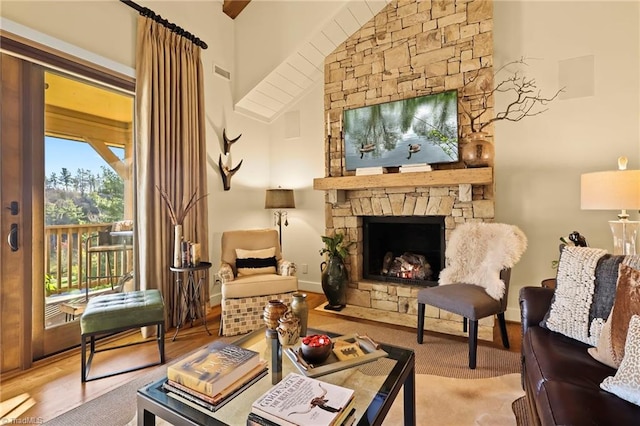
point(411, 48)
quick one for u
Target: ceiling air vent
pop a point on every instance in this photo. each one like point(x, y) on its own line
point(222, 72)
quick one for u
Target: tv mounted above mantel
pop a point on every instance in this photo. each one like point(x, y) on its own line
point(418, 130)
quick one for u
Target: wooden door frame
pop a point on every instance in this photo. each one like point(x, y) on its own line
point(15, 148)
point(25, 294)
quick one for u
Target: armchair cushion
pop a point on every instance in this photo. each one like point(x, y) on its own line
point(254, 262)
point(259, 285)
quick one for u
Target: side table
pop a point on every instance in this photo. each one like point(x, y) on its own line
point(190, 294)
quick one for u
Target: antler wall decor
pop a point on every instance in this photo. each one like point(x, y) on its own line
point(226, 171)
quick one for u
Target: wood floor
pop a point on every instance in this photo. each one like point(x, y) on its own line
point(53, 385)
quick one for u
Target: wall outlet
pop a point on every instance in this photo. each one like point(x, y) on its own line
point(305, 268)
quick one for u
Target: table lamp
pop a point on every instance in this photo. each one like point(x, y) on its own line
point(614, 190)
point(280, 199)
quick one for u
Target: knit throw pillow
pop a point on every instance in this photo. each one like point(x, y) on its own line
point(626, 382)
point(585, 290)
point(611, 345)
point(254, 262)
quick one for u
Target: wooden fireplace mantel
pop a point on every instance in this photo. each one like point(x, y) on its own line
point(473, 176)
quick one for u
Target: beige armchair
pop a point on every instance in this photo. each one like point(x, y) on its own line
point(252, 272)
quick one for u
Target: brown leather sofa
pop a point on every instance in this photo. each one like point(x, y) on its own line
point(561, 380)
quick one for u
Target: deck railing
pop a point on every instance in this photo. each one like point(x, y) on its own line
point(66, 259)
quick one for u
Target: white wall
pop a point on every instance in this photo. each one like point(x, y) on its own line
point(539, 159)
point(295, 163)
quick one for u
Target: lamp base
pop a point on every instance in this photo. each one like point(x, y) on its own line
point(624, 236)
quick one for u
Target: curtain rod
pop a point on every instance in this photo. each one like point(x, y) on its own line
point(145, 11)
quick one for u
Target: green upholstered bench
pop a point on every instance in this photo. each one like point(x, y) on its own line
point(113, 313)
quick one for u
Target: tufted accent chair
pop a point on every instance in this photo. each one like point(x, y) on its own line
point(244, 297)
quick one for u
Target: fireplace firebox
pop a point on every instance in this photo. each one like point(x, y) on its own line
point(403, 249)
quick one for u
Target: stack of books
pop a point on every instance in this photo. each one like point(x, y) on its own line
point(214, 375)
point(301, 401)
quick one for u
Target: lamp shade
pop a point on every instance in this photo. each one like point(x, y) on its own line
point(279, 199)
point(610, 190)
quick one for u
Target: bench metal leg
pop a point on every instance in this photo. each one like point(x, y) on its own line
point(86, 362)
point(83, 369)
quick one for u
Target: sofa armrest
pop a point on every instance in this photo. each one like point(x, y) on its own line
point(286, 268)
point(534, 304)
point(225, 273)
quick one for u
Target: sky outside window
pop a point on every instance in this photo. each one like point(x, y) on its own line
point(73, 155)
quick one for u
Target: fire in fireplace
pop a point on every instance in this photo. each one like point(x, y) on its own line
point(403, 249)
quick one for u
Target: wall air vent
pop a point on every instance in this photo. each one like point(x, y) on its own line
point(222, 72)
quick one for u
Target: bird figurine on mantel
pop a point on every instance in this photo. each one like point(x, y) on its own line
point(226, 169)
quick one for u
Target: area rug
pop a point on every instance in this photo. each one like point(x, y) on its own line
point(441, 368)
point(446, 401)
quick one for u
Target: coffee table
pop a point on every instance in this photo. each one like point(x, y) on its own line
point(376, 386)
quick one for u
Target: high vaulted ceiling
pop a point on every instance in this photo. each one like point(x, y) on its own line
point(298, 72)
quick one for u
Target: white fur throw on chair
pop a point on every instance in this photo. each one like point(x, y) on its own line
point(477, 252)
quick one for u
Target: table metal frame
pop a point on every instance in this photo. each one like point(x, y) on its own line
point(189, 296)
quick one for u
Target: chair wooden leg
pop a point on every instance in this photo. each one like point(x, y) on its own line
point(464, 324)
point(420, 322)
point(503, 330)
point(473, 343)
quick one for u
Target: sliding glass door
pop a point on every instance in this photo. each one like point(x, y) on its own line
point(87, 201)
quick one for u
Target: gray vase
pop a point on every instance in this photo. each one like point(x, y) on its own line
point(300, 310)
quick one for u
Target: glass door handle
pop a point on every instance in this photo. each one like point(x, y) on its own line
point(12, 238)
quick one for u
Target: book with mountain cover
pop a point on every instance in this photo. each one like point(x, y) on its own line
point(300, 401)
point(213, 368)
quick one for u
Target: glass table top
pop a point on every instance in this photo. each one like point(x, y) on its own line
point(376, 385)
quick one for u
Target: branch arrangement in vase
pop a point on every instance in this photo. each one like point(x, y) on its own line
point(177, 216)
point(526, 99)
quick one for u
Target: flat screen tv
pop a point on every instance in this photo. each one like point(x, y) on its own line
point(409, 131)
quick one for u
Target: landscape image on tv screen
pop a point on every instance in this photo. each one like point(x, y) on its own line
point(409, 131)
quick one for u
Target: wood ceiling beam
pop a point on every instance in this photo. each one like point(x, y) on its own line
point(233, 7)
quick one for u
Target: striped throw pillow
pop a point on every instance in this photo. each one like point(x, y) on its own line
point(253, 262)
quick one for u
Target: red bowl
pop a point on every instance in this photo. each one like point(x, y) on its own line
point(316, 348)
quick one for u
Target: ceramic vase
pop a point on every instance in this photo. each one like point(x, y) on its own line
point(273, 311)
point(300, 310)
point(288, 329)
point(177, 243)
point(334, 282)
point(477, 150)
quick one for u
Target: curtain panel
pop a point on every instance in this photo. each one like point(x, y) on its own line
point(170, 154)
